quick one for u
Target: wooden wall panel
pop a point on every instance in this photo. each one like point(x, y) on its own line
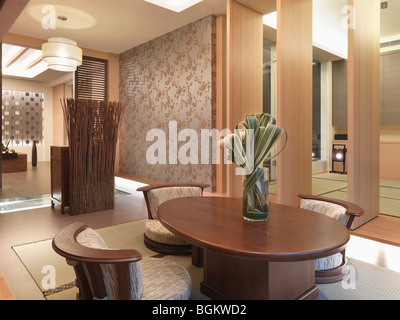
point(221, 97)
point(244, 74)
point(59, 131)
point(294, 64)
point(389, 160)
point(264, 7)
point(363, 109)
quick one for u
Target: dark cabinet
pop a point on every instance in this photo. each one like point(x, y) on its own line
point(59, 176)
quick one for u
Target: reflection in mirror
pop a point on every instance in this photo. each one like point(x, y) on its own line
point(316, 114)
point(269, 94)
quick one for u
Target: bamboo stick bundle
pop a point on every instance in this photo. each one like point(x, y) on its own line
point(93, 128)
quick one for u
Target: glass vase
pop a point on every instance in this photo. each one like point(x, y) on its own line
point(255, 195)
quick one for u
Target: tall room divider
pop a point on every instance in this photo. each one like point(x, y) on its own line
point(92, 128)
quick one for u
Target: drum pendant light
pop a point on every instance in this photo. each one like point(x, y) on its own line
point(62, 54)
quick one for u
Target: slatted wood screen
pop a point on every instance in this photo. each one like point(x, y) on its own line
point(91, 80)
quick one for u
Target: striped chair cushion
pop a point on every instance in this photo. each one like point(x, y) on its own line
point(158, 280)
point(332, 210)
point(158, 196)
point(336, 212)
point(90, 238)
point(165, 280)
point(328, 263)
point(155, 231)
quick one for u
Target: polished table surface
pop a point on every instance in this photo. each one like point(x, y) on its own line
point(255, 260)
point(290, 234)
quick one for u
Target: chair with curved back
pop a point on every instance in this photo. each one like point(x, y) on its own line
point(332, 268)
point(156, 236)
point(107, 274)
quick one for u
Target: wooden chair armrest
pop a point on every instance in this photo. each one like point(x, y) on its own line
point(66, 245)
point(351, 208)
point(166, 185)
point(148, 188)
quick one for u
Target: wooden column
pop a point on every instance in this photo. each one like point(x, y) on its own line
point(364, 108)
point(294, 111)
point(244, 74)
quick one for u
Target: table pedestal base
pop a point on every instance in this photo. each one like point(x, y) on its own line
point(236, 278)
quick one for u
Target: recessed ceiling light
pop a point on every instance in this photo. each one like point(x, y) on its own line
point(23, 62)
point(174, 5)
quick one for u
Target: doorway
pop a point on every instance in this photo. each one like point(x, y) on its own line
point(29, 110)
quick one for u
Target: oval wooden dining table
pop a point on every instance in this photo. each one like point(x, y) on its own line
point(271, 260)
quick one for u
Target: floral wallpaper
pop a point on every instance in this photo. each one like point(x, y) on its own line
point(169, 80)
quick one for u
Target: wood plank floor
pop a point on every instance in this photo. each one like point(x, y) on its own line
point(385, 229)
point(5, 292)
point(36, 180)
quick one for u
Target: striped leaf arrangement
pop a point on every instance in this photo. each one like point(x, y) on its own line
point(251, 143)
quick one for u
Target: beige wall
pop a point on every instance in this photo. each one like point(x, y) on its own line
point(58, 116)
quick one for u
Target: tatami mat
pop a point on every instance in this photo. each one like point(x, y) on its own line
point(335, 186)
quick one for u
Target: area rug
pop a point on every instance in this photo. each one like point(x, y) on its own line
point(365, 281)
point(335, 186)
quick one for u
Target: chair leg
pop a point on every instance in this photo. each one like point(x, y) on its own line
point(197, 256)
